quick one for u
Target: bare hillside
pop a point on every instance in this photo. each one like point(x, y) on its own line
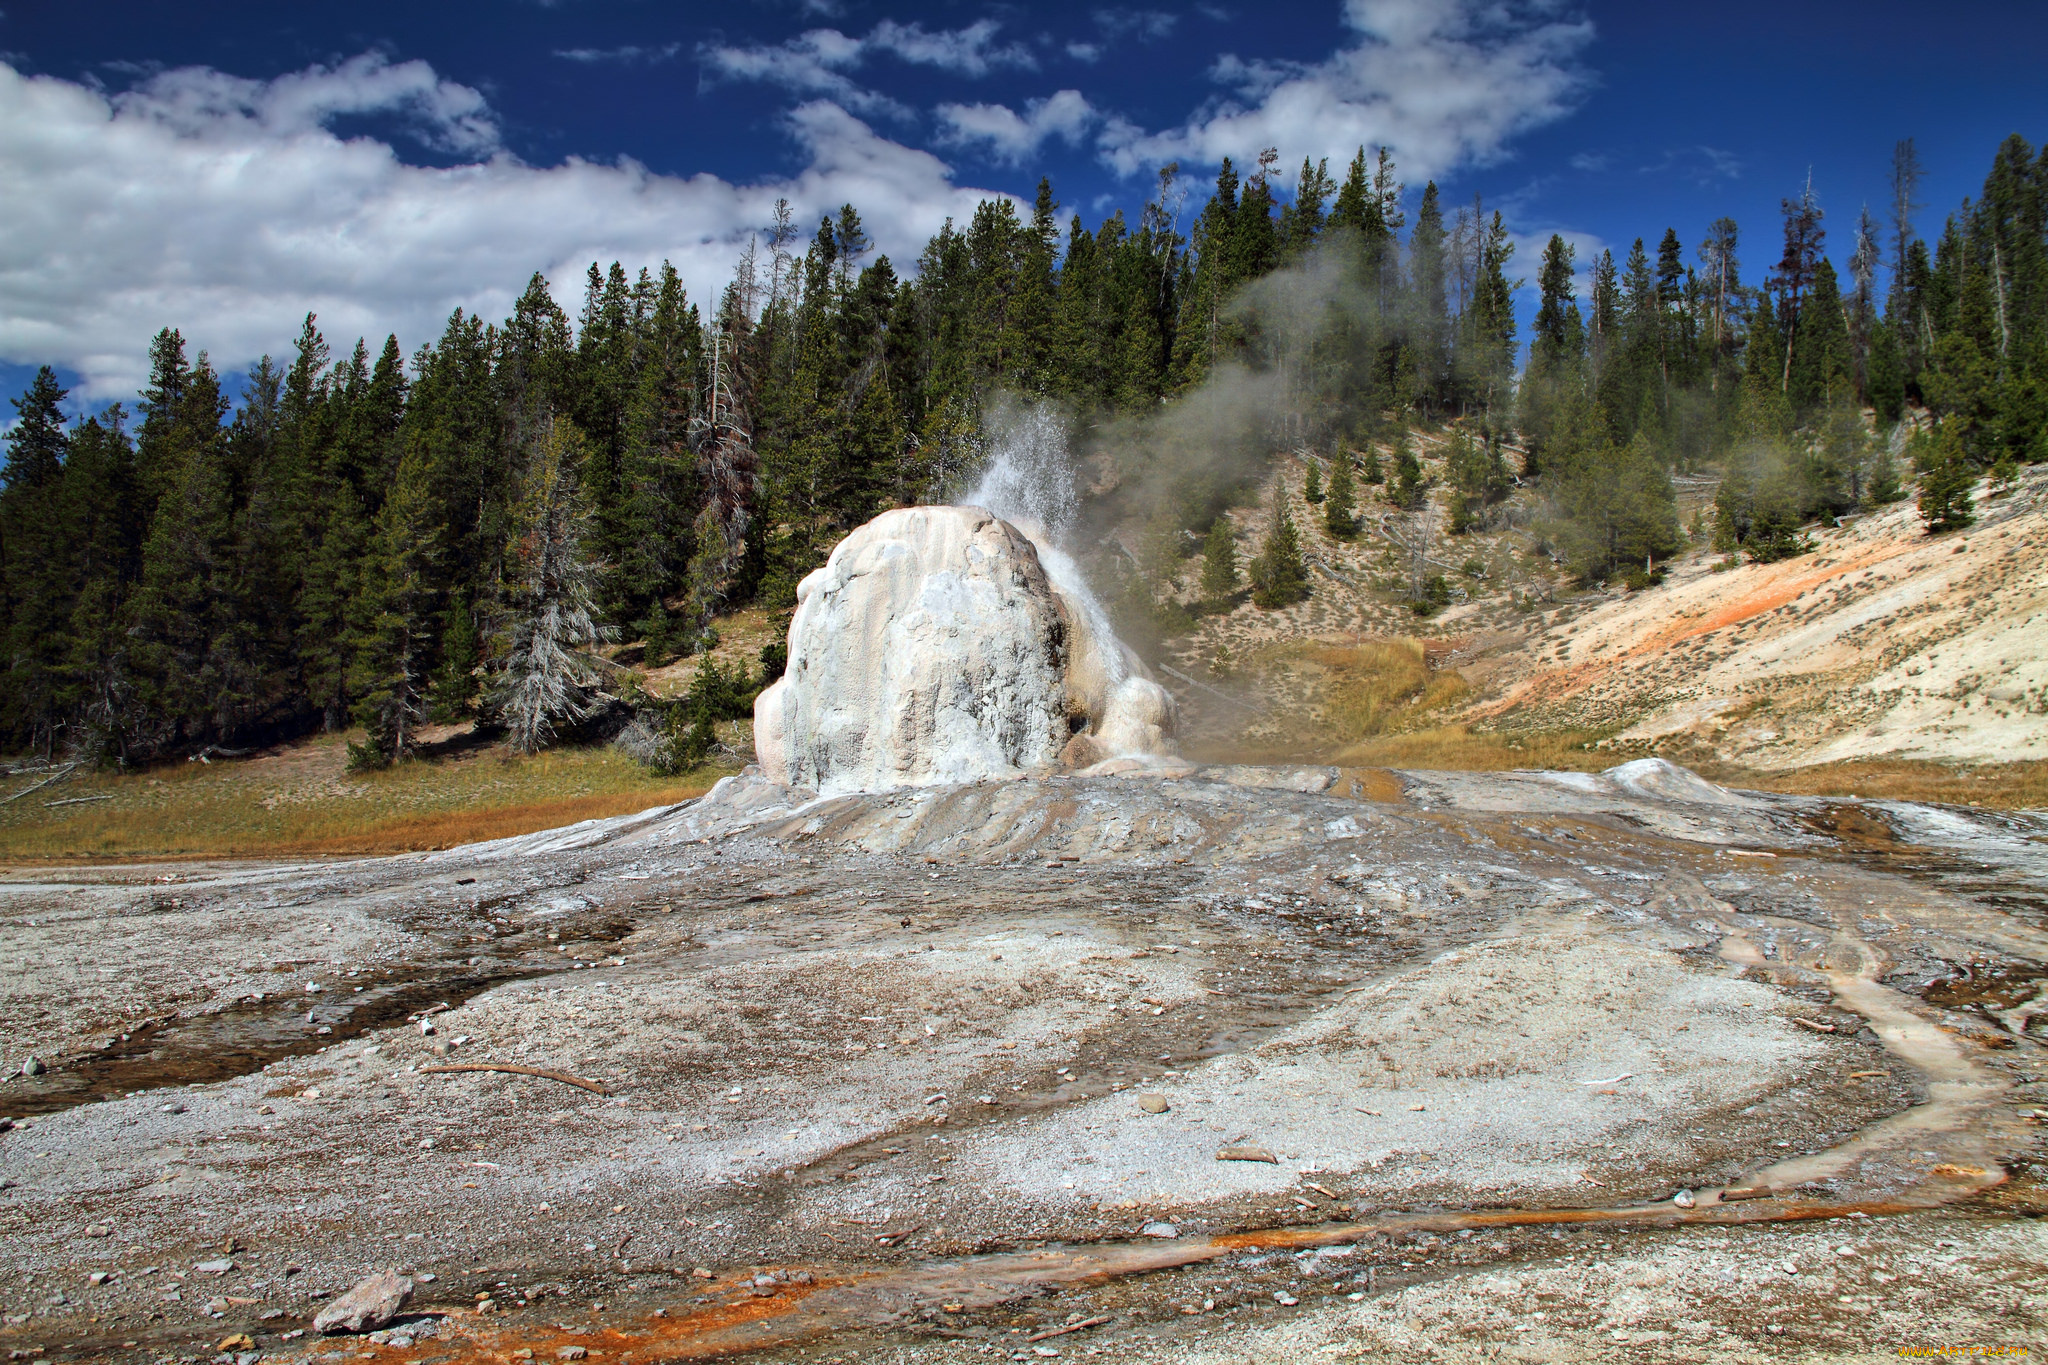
point(1880, 641)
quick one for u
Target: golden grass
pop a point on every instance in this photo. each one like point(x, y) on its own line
point(1358, 691)
point(1454, 748)
point(300, 800)
point(2000, 786)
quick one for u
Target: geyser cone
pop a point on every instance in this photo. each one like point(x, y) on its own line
point(934, 648)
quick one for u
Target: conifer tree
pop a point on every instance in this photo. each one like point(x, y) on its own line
point(1556, 352)
point(1405, 489)
point(545, 675)
point(1279, 577)
point(455, 687)
point(1946, 503)
point(396, 618)
point(1219, 563)
point(1340, 506)
point(1312, 483)
point(35, 592)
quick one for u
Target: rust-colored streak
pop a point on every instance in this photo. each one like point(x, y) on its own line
point(1564, 681)
point(1371, 784)
point(841, 1300)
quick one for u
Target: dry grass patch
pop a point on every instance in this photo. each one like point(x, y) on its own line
point(2000, 786)
point(1455, 748)
point(300, 799)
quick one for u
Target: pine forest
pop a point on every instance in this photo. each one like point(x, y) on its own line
point(362, 537)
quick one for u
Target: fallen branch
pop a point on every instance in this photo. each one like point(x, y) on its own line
point(57, 776)
point(1070, 1327)
point(78, 800)
point(592, 1086)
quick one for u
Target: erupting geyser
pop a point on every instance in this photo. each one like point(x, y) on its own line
point(953, 644)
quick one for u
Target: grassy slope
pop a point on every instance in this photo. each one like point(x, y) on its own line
point(300, 799)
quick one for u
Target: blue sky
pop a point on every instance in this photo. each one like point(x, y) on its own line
point(227, 166)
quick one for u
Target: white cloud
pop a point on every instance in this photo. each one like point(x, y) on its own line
point(818, 61)
point(228, 209)
point(630, 55)
point(198, 100)
point(970, 51)
point(1440, 82)
point(1011, 137)
point(1148, 24)
point(812, 63)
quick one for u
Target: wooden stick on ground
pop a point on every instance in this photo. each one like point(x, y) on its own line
point(565, 1079)
point(1070, 1327)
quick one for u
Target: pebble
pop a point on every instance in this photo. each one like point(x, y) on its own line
point(1247, 1154)
point(32, 1067)
point(570, 1353)
point(1683, 1199)
point(1284, 1299)
point(1161, 1230)
point(219, 1267)
point(1153, 1104)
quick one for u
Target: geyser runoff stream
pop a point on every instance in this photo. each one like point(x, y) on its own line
point(957, 644)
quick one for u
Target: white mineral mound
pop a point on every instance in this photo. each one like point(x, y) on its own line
point(933, 648)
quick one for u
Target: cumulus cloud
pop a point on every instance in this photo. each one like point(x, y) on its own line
point(820, 61)
point(1009, 136)
point(197, 101)
point(229, 209)
point(1440, 82)
point(813, 63)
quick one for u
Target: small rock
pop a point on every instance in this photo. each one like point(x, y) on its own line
point(1247, 1154)
point(701, 1273)
point(32, 1067)
point(1161, 1230)
point(1747, 1190)
point(98, 1230)
point(216, 1307)
point(1153, 1104)
point(372, 1303)
point(1683, 1199)
point(217, 1267)
point(1284, 1299)
point(240, 1341)
point(570, 1353)
point(98, 1278)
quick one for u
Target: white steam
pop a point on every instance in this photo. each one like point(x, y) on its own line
point(1028, 480)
